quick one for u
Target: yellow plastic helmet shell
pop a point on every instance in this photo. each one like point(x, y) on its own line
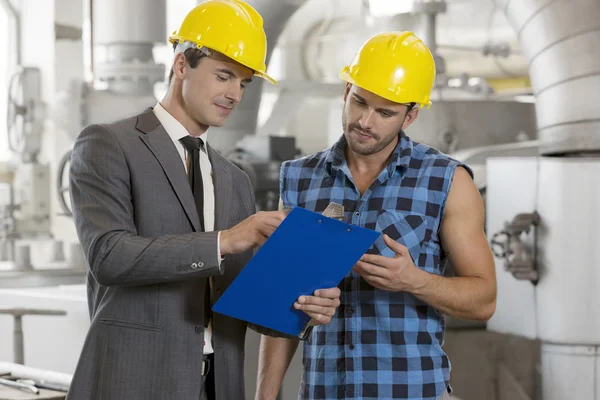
point(230, 27)
point(397, 66)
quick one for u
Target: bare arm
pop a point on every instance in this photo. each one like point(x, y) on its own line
point(472, 293)
point(469, 295)
point(273, 361)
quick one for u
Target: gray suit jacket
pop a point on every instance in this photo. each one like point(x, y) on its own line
point(148, 263)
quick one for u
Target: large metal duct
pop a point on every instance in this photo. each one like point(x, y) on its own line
point(559, 39)
point(244, 120)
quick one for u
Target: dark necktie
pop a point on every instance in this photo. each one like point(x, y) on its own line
point(192, 145)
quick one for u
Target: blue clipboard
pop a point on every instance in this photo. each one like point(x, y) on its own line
point(306, 252)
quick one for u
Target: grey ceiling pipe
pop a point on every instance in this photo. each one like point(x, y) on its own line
point(559, 38)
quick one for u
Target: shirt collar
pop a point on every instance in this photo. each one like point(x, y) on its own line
point(336, 158)
point(173, 127)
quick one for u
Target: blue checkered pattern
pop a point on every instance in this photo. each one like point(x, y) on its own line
point(379, 345)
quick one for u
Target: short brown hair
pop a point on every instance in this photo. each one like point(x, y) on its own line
point(192, 56)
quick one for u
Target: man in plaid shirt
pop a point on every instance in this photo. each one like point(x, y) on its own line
point(385, 342)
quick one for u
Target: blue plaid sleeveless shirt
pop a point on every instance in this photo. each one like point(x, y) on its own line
point(379, 345)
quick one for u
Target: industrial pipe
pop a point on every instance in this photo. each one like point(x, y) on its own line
point(559, 39)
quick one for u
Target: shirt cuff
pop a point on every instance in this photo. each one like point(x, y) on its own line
point(219, 257)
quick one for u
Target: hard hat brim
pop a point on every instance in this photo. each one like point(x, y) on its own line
point(345, 76)
point(177, 38)
point(265, 76)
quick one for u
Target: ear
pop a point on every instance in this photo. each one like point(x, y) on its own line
point(179, 65)
point(410, 118)
point(347, 90)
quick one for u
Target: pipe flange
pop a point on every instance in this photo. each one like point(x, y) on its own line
point(131, 71)
point(429, 6)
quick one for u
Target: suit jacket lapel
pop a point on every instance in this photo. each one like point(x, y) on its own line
point(160, 144)
point(223, 188)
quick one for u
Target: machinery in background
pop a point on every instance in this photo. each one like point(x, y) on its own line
point(125, 74)
point(261, 157)
point(128, 72)
point(548, 204)
point(29, 253)
point(25, 206)
point(25, 197)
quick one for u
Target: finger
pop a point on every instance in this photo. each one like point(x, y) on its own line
point(314, 310)
point(395, 246)
point(318, 301)
point(271, 222)
point(329, 293)
point(260, 240)
point(274, 215)
point(367, 270)
point(319, 320)
point(381, 261)
point(376, 282)
point(271, 218)
point(266, 230)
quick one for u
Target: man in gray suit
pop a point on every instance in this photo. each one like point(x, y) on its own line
point(165, 221)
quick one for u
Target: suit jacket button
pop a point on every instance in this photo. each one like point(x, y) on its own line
point(194, 265)
point(200, 264)
point(198, 329)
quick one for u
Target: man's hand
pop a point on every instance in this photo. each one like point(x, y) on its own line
point(390, 274)
point(320, 307)
point(251, 232)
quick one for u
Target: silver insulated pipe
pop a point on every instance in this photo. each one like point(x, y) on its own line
point(559, 38)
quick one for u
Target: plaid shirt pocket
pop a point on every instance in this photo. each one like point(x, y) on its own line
point(406, 229)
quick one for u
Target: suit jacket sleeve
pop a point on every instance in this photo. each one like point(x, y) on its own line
point(104, 218)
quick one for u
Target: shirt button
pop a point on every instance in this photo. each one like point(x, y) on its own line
point(351, 310)
point(198, 329)
point(351, 347)
point(357, 213)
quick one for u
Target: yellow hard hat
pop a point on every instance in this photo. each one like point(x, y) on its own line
point(394, 65)
point(230, 27)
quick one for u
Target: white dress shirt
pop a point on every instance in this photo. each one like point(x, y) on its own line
point(176, 131)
